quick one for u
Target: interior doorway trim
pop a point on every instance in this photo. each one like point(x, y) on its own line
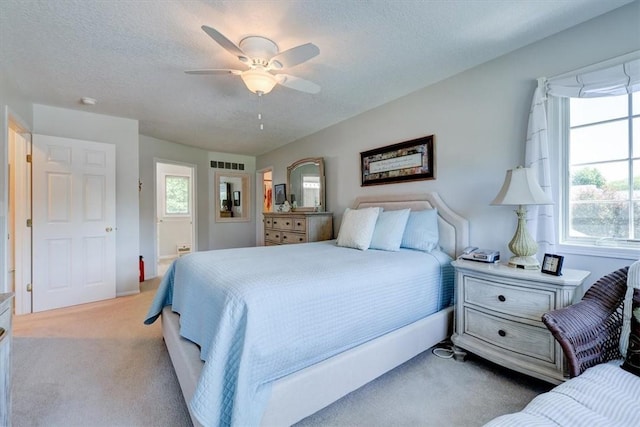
point(157, 213)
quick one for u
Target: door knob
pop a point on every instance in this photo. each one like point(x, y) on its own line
point(108, 229)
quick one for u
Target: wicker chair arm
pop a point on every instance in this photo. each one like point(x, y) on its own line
point(589, 331)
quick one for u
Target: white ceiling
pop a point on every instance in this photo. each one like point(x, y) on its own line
point(131, 57)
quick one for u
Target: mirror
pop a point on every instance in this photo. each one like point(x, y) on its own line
point(305, 183)
point(232, 198)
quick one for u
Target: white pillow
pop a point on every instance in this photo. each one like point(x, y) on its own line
point(421, 232)
point(389, 230)
point(357, 228)
point(633, 282)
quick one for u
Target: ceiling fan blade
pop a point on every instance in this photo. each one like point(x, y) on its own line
point(294, 56)
point(214, 71)
point(293, 82)
point(230, 46)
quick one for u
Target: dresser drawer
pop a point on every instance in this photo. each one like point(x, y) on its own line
point(299, 224)
point(268, 222)
point(281, 223)
point(272, 236)
point(503, 298)
point(517, 337)
point(290, 237)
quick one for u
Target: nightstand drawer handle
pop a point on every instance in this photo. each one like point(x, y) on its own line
point(502, 333)
point(502, 298)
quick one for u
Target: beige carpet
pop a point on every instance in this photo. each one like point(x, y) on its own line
point(98, 365)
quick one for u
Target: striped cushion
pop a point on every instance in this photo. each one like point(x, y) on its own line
point(603, 395)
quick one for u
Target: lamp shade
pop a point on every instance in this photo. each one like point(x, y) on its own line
point(258, 80)
point(521, 188)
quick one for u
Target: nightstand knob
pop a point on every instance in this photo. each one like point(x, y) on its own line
point(502, 333)
point(502, 298)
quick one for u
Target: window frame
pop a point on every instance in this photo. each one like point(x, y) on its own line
point(558, 115)
point(167, 214)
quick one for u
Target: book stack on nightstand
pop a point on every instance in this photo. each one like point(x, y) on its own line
point(498, 315)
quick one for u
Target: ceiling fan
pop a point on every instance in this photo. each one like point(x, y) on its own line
point(262, 56)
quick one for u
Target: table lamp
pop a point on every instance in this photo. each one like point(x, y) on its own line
point(520, 189)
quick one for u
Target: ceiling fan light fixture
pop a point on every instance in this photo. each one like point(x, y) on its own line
point(258, 81)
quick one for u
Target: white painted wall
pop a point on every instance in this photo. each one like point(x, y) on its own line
point(123, 133)
point(479, 119)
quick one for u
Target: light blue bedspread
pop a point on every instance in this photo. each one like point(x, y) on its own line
point(262, 313)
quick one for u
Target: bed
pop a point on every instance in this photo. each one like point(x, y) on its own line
point(296, 335)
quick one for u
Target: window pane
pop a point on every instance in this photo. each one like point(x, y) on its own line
point(604, 181)
point(591, 110)
point(636, 136)
point(177, 195)
point(607, 141)
point(599, 219)
point(635, 102)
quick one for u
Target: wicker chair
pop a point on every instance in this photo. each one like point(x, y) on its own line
point(589, 331)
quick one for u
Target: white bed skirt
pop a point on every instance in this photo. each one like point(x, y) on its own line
point(305, 392)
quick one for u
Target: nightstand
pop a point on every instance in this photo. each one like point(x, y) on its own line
point(498, 315)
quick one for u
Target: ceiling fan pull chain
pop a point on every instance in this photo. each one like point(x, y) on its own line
point(260, 110)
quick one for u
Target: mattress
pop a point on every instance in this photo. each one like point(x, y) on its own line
point(262, 313)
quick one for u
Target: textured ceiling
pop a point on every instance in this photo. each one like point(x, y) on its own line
point(131, 57)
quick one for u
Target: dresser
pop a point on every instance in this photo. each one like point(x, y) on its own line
point(297, 227)
point(6, 303)
point(498, 315)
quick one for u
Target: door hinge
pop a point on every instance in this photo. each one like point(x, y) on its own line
point(29, 222)
point(29, 287)
point(28, 158)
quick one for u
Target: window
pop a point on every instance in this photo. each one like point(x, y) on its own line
point(177, 200)
point(602, 171)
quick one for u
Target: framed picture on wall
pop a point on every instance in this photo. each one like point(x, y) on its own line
point(281, 193)
point(407, 161)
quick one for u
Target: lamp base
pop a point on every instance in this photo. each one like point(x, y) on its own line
point(524, 262)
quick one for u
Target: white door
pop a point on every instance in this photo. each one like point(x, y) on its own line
point(73, 222)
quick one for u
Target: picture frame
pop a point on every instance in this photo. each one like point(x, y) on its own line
point(411, 160)
point(280, 193)
point(236, 198)
point(552, 264)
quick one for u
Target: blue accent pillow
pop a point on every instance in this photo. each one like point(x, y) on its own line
point(387, 235)
point(421, 232)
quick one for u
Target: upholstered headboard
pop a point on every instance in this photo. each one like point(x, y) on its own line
point(452, 228)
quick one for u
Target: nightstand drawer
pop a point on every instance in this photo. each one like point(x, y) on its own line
point(289, 237)
point(515, 300)
point(521, 338)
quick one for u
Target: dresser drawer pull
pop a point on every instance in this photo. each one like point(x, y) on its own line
point(284, 237)
point(286, 223)
point(3, 332)
point(275, 222)
point(502, 298)
point(502, 333)
point(300, 239)
point(298, 224)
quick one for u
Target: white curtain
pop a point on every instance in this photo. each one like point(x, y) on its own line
point(614, 77)
point(540, 219)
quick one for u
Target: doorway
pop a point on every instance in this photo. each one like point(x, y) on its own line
point(175, 212)
point(19, 243)
point(264, 200)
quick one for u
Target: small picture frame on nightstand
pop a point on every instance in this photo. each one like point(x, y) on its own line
point(552, 264)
